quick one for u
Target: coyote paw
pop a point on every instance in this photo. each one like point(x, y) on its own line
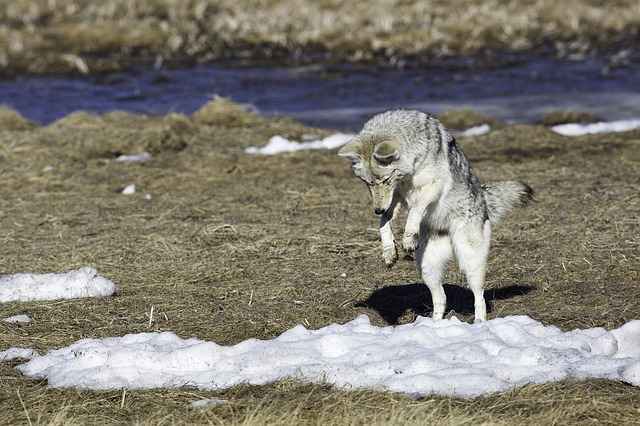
point(390, 255)
point(409, 244)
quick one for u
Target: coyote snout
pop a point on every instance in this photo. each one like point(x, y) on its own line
point(381, 196)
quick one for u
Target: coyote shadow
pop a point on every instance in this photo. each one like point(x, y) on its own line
point(392, 302)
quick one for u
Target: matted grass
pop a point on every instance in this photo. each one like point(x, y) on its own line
point(87, 36)
point(232, 246)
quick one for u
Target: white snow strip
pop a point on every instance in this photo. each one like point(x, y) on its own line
point(446, 357)
point(84, 282)
point(13, 353)
point(279, 144)
point(18, 319)
point(574, 129)
point(134, 158)
point(482, 129)
point(129, 189)
point(206, 403)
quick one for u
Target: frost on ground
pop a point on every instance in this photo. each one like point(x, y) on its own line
point(446, 357)
point(14, 353)
point(279, 144)
point(574, 129)
point(18, 319)
point(84, 282)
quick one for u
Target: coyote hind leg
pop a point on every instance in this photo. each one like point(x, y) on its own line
point(432, 257)
point(471, 244)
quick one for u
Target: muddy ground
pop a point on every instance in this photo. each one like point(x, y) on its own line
point(83, 36)
point(231, 246)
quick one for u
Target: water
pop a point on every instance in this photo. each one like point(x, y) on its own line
point(341, 97)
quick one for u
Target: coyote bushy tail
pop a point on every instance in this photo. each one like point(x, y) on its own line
point(503, 196)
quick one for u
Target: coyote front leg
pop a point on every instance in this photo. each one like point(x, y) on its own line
point(389, 250)
point(416, 205)
point(412, 229)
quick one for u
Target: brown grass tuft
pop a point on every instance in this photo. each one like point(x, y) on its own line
point(78, 119)
point(221, 111)
point(12, 120)
point(562, 117)
point(461, 119)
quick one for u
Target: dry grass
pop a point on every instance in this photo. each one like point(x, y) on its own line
point(222, 111)
point(562, 117)
point(461, 119)
point(11, 120)
point(88, 36)
point(223, 228)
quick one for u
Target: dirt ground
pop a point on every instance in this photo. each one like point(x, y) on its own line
point(85, 36)
point(231, 246)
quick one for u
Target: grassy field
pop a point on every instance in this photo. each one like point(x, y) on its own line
point(231, 246)
point(87, 36)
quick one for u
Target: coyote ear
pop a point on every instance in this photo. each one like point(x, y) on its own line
point(387, 152)
point(351, 151)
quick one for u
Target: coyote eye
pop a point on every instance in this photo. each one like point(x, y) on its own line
point(388, 178)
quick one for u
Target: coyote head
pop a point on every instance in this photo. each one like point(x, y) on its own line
point(376, 163)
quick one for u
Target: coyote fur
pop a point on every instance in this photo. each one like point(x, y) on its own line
point(407, 158)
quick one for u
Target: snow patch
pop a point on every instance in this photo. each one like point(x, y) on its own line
point(631, 374)
point(574, 129)
point(18, 319)
point(279, 144)
point(13, 353)
point(134, 158)
point(482, 129)
point(129, 189)
point(83, 282)
point(628, 337)
point(446, 357)
point(206, 403)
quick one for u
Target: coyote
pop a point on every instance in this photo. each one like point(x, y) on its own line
point(407, 158)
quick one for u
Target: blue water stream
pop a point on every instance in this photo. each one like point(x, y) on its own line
point(341, 97)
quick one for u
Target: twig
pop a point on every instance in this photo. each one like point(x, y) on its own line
point(24, 407)
point(225, 226)
point(150, 317)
